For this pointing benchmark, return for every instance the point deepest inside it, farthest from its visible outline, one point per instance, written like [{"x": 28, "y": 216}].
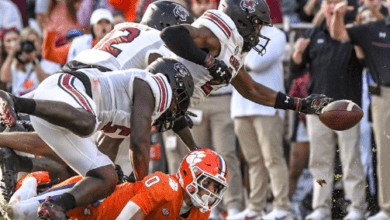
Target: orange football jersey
[{"x": 159, "y": 195}]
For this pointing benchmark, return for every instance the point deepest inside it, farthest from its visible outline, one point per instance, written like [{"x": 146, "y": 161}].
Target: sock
[
  {"x": 66, "y": 201},
  {"x": 24, "y": 105},
  {"x": 26, "y": 164}
]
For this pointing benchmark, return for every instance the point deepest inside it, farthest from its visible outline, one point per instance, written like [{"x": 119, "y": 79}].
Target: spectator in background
[
  {"x": 61, "y": 17},
  {"x": 101, "y": 23},
  {"x": 119, "y": 17},
  {"x": 10, "y": 15},
  {"x": 336, "y": 72},
  {"x": 260, "y": 132},
  {"x": 24, "y": 66},
  {"x": 41, "y": 9},
  {"x": 200, "y": 6},
  {"x": 371, "y": 10},
  {"x": 299, "y": 147},
  {"x": 276, "y": 11},
  {"x": 128, "y": 7},
  {"x": 9, "y": 38},
  {"x": 87, "y": 7},
  {"x": 374, "y": 40}
]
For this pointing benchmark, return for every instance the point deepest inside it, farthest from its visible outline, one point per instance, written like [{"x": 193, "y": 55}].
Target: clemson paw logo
[{"x": 195, "y": 157}]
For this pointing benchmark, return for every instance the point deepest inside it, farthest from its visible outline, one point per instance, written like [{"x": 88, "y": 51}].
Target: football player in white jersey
[
  {"x": 68, "y": 107},
  {"x": 129, "y": 45},
  {"x": 216, "y": 44}
]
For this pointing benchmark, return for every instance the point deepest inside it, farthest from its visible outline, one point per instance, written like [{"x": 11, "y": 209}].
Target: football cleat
[
  {"x": 7, "y": 109},
  {"x": 9, "y": 167},
  {"x": 51, "y": 211}
]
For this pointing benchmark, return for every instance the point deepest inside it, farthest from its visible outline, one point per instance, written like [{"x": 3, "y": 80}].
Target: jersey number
[
  {"x": 150, "y": 182},
  {"x": 108, "y": 44}
]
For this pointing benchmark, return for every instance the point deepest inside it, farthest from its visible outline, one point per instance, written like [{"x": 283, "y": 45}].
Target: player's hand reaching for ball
[{"x": 313, "y": 104}]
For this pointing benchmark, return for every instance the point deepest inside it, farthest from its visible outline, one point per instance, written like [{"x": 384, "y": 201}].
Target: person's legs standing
[
  {"x": 224, "y": 142},
  {"x": 381, "y": 125},
  {"x": 269, "y": 130},
  {"x": 258, "y": 175},
  {"x": 353, "y": 175},
  {"x": 321, "y": 163}
]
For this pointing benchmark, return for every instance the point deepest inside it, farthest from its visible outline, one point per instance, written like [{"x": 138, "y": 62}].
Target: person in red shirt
[{"x": 191, "y": 193}]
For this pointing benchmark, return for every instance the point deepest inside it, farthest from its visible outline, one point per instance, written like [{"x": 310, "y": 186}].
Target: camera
[{"x": 27, "y": 46}]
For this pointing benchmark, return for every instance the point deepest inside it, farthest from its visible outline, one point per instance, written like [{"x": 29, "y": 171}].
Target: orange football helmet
[{"x": 196, "y": 167}]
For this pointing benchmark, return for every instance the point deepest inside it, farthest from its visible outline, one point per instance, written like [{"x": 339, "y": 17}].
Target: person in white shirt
[
  {"x": 23, "y": 67},
  {"x": 260, "y": 132}
]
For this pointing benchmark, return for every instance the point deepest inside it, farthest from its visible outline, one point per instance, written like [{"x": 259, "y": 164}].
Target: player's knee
[{"x": 86, "y": 126}]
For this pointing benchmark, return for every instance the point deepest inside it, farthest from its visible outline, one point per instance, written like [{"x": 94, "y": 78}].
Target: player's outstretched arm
[
  {"x": 131, "y": 212},
  {"x": 141, "y": 117},
  {"x": 263, "y": 95}
]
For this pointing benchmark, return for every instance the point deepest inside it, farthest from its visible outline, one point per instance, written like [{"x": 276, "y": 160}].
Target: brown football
[{"x": 341, "y": 115}]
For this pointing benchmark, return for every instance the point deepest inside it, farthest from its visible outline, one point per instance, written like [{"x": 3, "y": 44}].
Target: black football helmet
[
  {"x": 247, "y": 14},
  {"x": 162, "y": 14},
  {"x": 182, "y": 84}
]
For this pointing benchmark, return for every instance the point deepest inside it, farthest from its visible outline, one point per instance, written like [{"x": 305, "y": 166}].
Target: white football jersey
[
  {"x": 231, "y": 53},
  {"x": 127, "y": 46},
  {"x": 113, "y": 95}
]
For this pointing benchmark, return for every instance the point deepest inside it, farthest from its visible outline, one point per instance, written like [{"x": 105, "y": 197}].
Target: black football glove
[
  {"x": 313, "y": 104},
  {"x": 218, "y": 70}
]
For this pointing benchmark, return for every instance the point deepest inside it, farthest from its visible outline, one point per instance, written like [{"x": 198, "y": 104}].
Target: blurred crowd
[{"x": 279, "y": 161}]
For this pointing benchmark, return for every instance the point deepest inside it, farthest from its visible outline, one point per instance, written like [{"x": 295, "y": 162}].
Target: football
[{"x": 341, "y": 115}]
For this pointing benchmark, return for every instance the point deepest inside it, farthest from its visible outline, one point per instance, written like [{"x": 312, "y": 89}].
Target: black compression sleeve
[
  {"x": 179, "y": 124},
  {"x": 178, "y": 40}
]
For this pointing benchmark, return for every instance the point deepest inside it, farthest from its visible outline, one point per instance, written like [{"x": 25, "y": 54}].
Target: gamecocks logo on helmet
[
  {"x": 181, "y": 12},
  {"x": 183, "y": 71},
  {"x": 249, "y": 5}
]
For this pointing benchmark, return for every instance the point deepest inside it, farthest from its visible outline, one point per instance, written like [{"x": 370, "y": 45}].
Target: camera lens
[{"x": 27, "y": 46}]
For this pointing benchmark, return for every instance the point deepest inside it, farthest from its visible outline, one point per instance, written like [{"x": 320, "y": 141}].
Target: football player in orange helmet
[{"x": 190, "y": 194}]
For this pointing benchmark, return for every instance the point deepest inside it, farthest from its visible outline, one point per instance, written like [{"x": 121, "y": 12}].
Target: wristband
[{"x": 284, "y": 101}]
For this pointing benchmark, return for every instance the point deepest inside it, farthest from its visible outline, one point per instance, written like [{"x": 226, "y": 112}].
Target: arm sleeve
[
  {"x": 53, "y": 53},
  {"x": 178, "y": 40},
  {"x": 355, "y": 34}
]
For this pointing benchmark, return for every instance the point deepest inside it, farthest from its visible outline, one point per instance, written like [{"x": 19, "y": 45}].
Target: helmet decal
[
  {"x": 181, "y": 12},
  {"x": 249, "y": 5},
  {"x": 195, "y": 157},
  {"x": 181, "y": 69}
]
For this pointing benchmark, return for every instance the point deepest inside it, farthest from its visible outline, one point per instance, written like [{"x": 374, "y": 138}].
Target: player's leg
[
  {"x": 83, "y": 156},
  {"x": 25, "y": 202},
  {"x": 28, "y": 142},
  {"x": 75, "y": 115}
]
